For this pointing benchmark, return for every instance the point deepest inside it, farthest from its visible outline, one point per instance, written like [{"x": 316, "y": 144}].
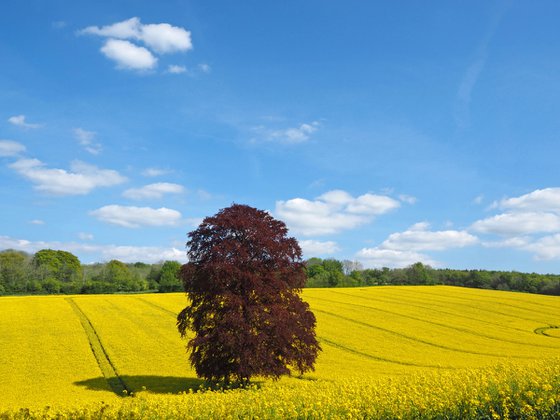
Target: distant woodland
[{"x": 60, "y": 272}]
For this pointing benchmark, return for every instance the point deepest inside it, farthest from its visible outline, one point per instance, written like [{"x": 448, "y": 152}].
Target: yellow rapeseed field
[{"x": 388, "y": 352}]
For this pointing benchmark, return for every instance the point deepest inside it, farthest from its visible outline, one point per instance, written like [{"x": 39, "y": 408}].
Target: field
[{"x": 387, "y": 351}]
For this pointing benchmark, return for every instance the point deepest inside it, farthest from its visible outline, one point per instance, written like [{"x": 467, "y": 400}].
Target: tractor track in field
[
  {"x": 417, "y": 340},
  {"x": 441, "y": 303},
  {"x": 155, "y": 305},
  {"x": 463, "y": 293},
  {"x": 378, "y": 358},
  {"x": 463, "y": 330},
  {"x": 430, "y": 308},
  {"x": 498, "y": 303},
  {"x": 118, "y": 386},
  {"x": 542, "y": 330},
  {"x": 492, "y": 312}
]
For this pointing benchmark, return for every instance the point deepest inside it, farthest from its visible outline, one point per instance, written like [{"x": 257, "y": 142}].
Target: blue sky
[{"x": 383, "y": 132}]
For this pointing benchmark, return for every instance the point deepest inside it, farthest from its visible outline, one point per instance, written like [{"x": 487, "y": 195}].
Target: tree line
[
  {"x": 334, "y": 273},
  {"x": 60, "y": 272}
]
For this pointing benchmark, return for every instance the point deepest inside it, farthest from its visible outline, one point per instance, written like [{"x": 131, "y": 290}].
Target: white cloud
[
  {"x": 376, "y": 258},
  {"x": 85, "y": 138},
  {"x": 125, "y": 253},
  {"x": 291, "y": 135},
  {"x": 147, "y": 254},
  {"x": 156, "y": 190},
  {"x": 525, "y": 220},
  {"x": 165, "y": 38},
  {"x": 85, "y": 236},
  {"x": 133, "y": 217},
  {"x": 332, "y": 212},
  {"x": 19, "y": 120},
  {"x": 478, "y": 199},
  {"x": 513, "y": 242},
  {"x": 312, "y": 248},
  {"x": 11, "y": 148},
  {"x": 545, "y": 248},
  {"x": 161, "y": 38},
  {"x": 129, "y": 56},
  {"x": 81, "y": 179},
  {"x": 37, "y": 222},
  {"x": 401, "y": 249},
  {"x": 127, "y": 29},
  {"x": 175, "y": 69},
  {"x": 408, "y": 199},
  {"x": 153, "y": 172},
  {"x": 518, "y": 223},
  {"x": 547, "y": 199},
  {"x": 419, "y": 238}
]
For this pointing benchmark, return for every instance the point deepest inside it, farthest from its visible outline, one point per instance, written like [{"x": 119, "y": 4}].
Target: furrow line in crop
[
  {"x": 105, "y": 364},
  {"x": 431, "y": 309},
  {"x": 479, "y": 309},
  {"x": 464, "y": 330},
  {"x": 542, "y": 330},
  {"x": 496, "y": 302},
  {"x": 155, "y": 305},
  {"x": 419, "y": 340},
  {"x": 471, "y": 292},
  {"x": 370, "y": 356}
]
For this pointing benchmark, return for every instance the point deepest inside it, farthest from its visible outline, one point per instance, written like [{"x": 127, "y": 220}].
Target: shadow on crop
[{"x": 149, "y": 383}]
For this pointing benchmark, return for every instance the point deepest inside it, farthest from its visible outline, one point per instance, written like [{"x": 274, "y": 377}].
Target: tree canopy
[{"x": 242, "y": 279}]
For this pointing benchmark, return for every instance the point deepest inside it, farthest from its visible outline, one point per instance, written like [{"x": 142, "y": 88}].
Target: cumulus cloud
[
  {"x": 547, "y": 199},
  {"x": 159, "y": 38},
  {"x": 153, "y": 172},
  {"x": 403, "y": 248},
  {"x": 99, "y": 252},
  {"x": 176, "y": 69},
  {"x": 156, "y": 190},
  {"x": 332, "y": 212},
  {"x": 408, "y": 199},
  {"x": 19, "y": 120},
  {"x": 518, "y": 223},
  {"x": 419, "y": 238},
  {"x": 129, "y": 56},
  {"x": 11, "y": 148},
  {"x": 313, "y": 248},
  {"x": 81, "y": 179},
  {"x": 291, "y": 135},
  {"x": 545, "y": 248},
  {"x": 532, "y": 213},
  {"x": 133, "y": 217},
  {"x": 529, "y": 222},
  {"x": 86, "y": 139},
  {"x": 377, "y": 258}
]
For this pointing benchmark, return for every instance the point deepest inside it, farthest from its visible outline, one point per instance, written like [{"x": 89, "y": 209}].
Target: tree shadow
[{"x": 149, "y": 383}]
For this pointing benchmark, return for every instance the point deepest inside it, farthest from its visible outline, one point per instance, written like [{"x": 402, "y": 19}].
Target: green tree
[
  {"x": 14, "y": 271},
  {"x": 60, "y": 265},
  {"x": 118, "y": 275},
  {"x": 169, "y": 277}
]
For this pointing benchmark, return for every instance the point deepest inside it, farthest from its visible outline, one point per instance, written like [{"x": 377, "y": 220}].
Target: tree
[
  {"x": 169, "y": 277},
  {"x": 60, "y": 265},
  {"x": 118, "y": 275},
  {"x": 14, "y": 271},
  {"x": 243, "y": 279}
]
